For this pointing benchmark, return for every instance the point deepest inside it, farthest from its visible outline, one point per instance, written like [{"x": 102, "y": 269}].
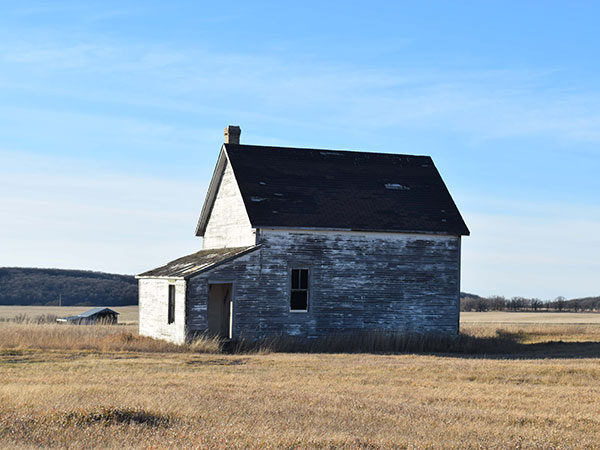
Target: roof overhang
[
  {"x": 185, "y": 267},
  {"x": 358, "y": 230},
  {"x": 211, "y": 194}
]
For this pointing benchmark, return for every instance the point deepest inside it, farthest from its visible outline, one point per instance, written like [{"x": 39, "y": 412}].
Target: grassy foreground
[{"x": 106, "y": 387}]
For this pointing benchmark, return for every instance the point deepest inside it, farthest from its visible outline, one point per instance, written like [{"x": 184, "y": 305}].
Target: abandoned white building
[{"x": 310, "y": 242}]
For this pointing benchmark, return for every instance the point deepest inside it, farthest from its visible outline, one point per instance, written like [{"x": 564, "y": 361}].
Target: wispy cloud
[
  {"x": 62, "y": 211},
  {"x": 483, "y": 104}
]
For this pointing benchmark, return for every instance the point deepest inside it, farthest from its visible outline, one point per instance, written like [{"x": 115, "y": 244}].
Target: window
[
  {"x": 171, "y": 317},
  {"x": 299, "y": 291}
]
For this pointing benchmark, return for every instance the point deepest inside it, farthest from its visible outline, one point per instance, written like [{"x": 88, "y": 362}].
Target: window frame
[
  {"x": 291, "y": 289},
  {"x": 172, "y": 293}
]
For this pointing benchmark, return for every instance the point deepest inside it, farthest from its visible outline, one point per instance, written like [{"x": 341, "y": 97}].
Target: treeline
[
  {"x": 472, "y": 302},
  {"x": 25, "y": 286}
]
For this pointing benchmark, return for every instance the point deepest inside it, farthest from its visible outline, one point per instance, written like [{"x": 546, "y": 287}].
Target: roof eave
[
  {"x": 211, "y": 193},
  {"x": 142, "y": 277},
  {"x": 366, "y": 230},
  {"x": 203, "y": 269}
]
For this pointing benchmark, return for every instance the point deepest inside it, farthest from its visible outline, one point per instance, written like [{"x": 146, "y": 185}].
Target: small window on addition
[
  {"x": 171, "y": 314},
  {"x": 299, "y": 291}
]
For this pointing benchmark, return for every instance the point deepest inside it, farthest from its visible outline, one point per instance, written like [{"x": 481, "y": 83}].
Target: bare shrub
[
  {"x": 24, "y": 318},
  {"x": 21, "y": 318},
  {"x": 44, "y": 318}
]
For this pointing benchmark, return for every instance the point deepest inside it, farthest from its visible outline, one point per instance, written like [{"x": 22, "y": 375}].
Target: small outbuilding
[{"x": 94, "y": 316}]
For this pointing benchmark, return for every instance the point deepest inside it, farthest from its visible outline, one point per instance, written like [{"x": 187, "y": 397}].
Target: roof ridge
[{"x": 354, "y": 152}]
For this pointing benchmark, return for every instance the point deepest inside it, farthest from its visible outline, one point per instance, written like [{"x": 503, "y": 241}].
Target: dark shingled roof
[
  {"x": 189, "y": 265},
  {"x": 94, "y": 311},
  {"x": 308, "y": 188}
]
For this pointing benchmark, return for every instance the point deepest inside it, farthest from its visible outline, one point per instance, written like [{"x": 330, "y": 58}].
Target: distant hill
[{"x": 27, "y": 286}]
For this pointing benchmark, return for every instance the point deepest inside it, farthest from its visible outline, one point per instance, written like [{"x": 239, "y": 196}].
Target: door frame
[{"x": 231, "y": 301}]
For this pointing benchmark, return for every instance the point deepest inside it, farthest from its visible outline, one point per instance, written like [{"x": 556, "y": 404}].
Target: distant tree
[
  {"x": 497, "y": 303},
  {"x": 468, "y": 304},
  {"x": 560, "y": 303},
  {"x": 481, "y": 304},
  {"x": 517, "y": 303},
  {"x": 536, "y": 304}
]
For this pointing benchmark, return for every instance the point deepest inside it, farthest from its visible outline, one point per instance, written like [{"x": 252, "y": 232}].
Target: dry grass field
[
  {"x": 127, "y": 314},
  {"x": 82, "y": 387},
  {"x": 537, "y": 318}
]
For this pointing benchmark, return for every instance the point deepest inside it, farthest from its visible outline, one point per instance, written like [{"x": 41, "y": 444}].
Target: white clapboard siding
[
  {"x": 358, "y": 281},
  {"x": 228, "y": 224}
]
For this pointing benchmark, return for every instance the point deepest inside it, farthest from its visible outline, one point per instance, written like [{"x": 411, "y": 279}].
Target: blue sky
[{"x": 112, "y": 113}]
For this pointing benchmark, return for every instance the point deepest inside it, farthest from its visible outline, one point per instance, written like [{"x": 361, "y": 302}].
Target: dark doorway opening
[{"x": 220, "y": 308}]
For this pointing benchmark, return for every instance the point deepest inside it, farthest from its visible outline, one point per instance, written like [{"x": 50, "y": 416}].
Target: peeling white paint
[
  {"x": 153, "y": 310},
  {"x": 228, "y": 223}
]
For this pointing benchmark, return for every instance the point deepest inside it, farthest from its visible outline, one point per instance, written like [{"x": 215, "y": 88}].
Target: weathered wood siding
[
  {"x": 228, "y": 224},
  {"x": 153, "y": 309},
  {"x": 358, "y": 281}
]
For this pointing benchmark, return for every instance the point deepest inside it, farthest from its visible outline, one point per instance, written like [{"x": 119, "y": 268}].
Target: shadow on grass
[
  {"x": 555, "y": 349},
  {"x": 108, "y": 416},
  {"x": 503, "y": 346}
]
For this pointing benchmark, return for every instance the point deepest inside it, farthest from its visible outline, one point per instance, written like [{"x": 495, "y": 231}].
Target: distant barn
[{"x": 93, "y": 316}]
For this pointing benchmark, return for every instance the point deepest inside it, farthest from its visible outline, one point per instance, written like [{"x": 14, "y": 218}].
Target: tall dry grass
[
  {"x": 474, "y": 339},
  {"x": 33, "y": 335},
  {"x": 93, "y": 337},
  {"x": 379, "y": 342},
  {"x": 25, "y": 318}
]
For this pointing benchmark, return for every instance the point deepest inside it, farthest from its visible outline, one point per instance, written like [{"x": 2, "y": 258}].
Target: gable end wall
[{"x": 228, "y": 224}]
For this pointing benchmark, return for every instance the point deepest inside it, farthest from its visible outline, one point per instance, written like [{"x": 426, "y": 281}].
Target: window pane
[
  {"x": 299, "y": 300},
  {"x": 303, "y": 279},
  {"x": 295, "y": 278},
  {"x": 171, "y": 306}
]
